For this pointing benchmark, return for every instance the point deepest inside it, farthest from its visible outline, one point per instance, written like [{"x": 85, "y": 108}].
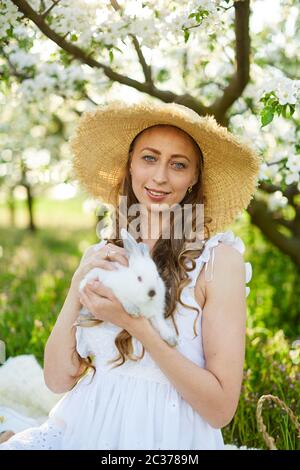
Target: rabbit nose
[{"x": 151, "y": 293}]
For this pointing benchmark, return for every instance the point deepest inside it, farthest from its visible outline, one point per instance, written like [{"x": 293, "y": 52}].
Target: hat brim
[{"x": 101, "y": 143}]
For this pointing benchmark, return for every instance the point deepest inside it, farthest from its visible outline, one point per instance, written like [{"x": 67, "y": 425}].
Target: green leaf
[
  {"x": 10, "y": 32},
  {"x": 267, "y": 116},
  {"x": 74, "y": 37},
  {"x": 111, "y": 56},
  {"x": 163, "y": 75},
  {"x": 186, "y": 35},
  {"x": 291, "y": 108},
  {"x": 118, "y": 49}
]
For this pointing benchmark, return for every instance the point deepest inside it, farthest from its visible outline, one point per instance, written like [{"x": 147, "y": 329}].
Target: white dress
[{"x": 133, "y": 406}]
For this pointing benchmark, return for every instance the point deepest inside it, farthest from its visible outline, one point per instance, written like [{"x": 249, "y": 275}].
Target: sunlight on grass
[{"x": 50, "y": 213}]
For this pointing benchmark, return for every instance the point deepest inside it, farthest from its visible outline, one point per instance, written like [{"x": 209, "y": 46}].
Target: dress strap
[{"x": 207, "y": 257}]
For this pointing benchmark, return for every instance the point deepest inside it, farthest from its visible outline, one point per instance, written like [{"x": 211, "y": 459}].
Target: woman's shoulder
[
  {"x": 226, "y": 254},
  {"x": 227, "y": 238},
  {"x": 227, "y": 262},
  {"x": 229, "y": 250}
]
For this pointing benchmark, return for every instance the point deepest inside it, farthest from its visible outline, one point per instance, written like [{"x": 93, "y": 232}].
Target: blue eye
[
  {"x": 178, "y": 163},
  {"x": 147, "y": 156},
  {"x": 175, "y": 163}
]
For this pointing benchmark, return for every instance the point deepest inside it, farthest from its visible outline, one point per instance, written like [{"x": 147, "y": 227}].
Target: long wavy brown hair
[{"x": 170, "y": 255}]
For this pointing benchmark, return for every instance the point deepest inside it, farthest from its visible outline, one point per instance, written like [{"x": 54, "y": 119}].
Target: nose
[
  {"x": 151, "y": 293},
  {"x": 160, "y": 174}
]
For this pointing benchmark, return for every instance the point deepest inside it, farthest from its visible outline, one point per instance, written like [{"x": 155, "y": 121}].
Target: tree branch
[
  {"x": 146, "y": 68},
  {"x": 290, "y": 224},
  {"x": 268, "y": 187},
  {"x": 13, "y": 69},
  {"x": 263, "y": 218},
  {"x": 73, "y": 50},
  {"x": 240, "y": 79},
  {"x": 46, "y": 13},
  {"x": 77, "y": 53},
  {"x": 289, "y": 192},
  {"x": 293, "y": 76}
]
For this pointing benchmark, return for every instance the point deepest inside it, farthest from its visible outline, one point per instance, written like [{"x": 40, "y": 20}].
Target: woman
[{"x": 157, "y": 396}]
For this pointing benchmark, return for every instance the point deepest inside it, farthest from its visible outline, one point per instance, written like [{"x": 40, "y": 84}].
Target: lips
[
  {"x": 156, "y": 191},
  {"x": 156, "y": 197}
]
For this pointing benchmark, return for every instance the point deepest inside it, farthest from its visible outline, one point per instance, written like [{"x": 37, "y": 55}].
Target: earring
[{"x": 190, "y": 189}]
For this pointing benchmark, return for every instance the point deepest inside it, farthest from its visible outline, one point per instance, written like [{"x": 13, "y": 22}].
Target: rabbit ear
[
  {"x": 129, "y": 242},
  {"x": 144, "y": 249}
]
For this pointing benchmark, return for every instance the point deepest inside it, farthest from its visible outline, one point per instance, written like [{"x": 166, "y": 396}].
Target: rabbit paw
[
  {"x": 165, "y": 331},
  {"x": 171, "y": 340},
  {"x": 82, "y": 284},
  {"x": 135, "y": 314},
  {"x": 132, "y": 309}
]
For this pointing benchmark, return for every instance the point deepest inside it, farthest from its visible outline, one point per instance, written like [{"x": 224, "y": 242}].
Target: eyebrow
[{"x": 159, "y": 153}]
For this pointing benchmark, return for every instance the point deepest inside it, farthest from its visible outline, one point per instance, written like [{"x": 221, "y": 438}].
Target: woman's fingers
[
  {"x": 101, "y": 263},
  {"x": 84, "y": 300},
  {"x": 98, "y": 259},
  {"x": 118, "y": 256},
  {"x": 116, "y": 253},
  {"x": 100, "y": 289}
]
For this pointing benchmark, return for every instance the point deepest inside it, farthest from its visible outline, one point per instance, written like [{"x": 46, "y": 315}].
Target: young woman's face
[{"x": 163, "y": 159}]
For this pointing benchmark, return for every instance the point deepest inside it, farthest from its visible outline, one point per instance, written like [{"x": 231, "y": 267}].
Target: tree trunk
[
  {"x": 30, "y": 202},
  {"x": 11, "y": 207},
  {"x": 264, "y": 219}
]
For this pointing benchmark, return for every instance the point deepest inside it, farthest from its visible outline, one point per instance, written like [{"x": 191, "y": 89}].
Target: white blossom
[
  {"x": 51, "y": 78},
  {"x": 276, "y": 201},
  {"x": 9, "y": 15},
  {"x": 293, "y": 163},
  {"x": 268, "y": 171},
  {"x": 292, "y": 178},
  {"x": 286, "y": 90},
  {"x": 22, "y": 60},
  {"x": 158, "y": 26},
  {"x": 249, "y": 128}
]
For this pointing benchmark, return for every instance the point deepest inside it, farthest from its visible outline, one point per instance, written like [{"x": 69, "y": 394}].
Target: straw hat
[{"x": 101, "y": 142}]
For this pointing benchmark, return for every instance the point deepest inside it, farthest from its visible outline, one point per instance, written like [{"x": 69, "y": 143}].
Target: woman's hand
[
  {"x": 104, "y": 305},
  {"x": 96, "y": 258}
]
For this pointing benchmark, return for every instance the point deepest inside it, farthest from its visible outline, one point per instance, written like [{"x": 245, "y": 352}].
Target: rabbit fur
[{"x": 138, "y": 287}]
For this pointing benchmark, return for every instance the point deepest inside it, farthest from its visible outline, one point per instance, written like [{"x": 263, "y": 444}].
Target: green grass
[
  {"x": 50, "y": 213},
  {"x": 274, "y": 299},
  {"x": 35, "y": 274}
]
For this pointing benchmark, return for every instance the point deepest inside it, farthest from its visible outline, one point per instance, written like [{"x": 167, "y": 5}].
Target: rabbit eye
[{"x": 140, "y": 278}]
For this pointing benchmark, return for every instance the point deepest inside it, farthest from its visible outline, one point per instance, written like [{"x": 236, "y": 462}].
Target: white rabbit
[{"x": 138, "y": 287}]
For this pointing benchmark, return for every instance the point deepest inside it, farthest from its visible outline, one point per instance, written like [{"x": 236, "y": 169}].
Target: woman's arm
[
  {"x": 214, "y": 391},
  {"x": 61, "y": 359}
]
